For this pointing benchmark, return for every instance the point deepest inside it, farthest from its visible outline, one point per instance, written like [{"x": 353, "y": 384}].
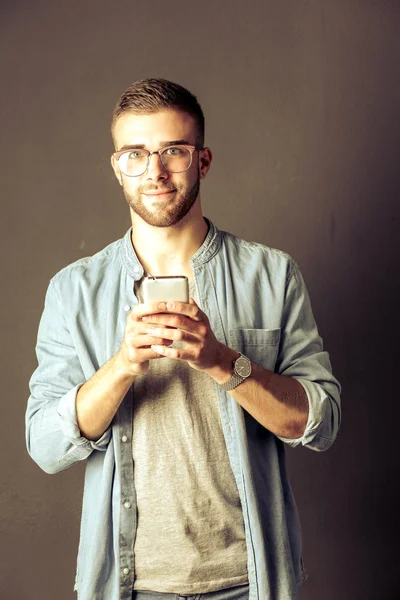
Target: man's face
[{"x": 181, "y": 190}]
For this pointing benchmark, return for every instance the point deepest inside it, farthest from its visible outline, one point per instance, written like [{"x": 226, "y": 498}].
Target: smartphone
[{"x": 164, "y": 289}]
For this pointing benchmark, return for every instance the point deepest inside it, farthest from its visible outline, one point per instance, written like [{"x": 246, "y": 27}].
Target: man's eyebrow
[
  {"x": 162, "y": 145},
  {"x": 175, "y": 143}
]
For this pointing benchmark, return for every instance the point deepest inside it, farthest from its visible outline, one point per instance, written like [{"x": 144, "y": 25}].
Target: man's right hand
[
  {"x": 135, "y": 352},
  {"x": 98, "y": 399}
]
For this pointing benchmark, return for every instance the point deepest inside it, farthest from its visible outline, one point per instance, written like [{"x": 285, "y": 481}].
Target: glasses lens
[
  {"x": 176, "y": 159},
  {"x": 133, "y": 162}
]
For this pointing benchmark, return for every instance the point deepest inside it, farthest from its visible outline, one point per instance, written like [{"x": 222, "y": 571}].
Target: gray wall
[{"x": 302, "y": 106}]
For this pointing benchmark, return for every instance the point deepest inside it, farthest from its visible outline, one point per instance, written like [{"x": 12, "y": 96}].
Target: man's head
[{"x": 157, "y": 115}]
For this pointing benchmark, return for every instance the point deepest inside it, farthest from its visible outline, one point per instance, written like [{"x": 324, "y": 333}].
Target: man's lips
[{"x": 159, "y": 193}]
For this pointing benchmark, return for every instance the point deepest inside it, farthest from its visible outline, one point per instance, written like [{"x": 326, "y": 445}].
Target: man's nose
[{"x": 156, "y": 169}]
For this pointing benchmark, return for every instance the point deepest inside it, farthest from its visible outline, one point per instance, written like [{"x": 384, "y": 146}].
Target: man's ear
[
  {"x": 204, "y": 161},
  {"x": 116, "y": 170}
]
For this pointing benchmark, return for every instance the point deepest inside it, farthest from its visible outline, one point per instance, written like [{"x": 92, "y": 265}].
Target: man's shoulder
[
  {"x": 250, "y": 247},
  {"x": 92, "y": 266},
  {"x": 248, "y": 256}
]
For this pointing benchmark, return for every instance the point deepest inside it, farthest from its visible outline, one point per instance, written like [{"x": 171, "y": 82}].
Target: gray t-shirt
[{"x": 190, "y": 535}]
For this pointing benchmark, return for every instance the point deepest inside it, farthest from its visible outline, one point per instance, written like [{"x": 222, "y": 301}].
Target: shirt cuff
[
  {"x": 319, "y": 413},
  {"x": 69, "y": 423}
]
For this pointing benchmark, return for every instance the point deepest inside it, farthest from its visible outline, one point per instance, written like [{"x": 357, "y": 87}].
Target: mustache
[{"x": 145, "y": 190}]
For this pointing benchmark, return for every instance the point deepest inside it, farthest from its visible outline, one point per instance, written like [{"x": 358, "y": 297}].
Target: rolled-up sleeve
[
  {"x": 302, "y": 357},
  {"x": 53, "y": 438}
]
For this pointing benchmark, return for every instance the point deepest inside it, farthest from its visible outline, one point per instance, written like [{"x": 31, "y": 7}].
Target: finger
[
  {"x": 190, "y": 309},
  {"x": 139, "y": 328},
  {"x": 144, "y": 354},
  {"x": 147, "y": 308},
  {"x": 175, "y": 353},
  {"x": 176, "y": 321},
  {"x": 145, "y": 341},
  {"x": 173, "y": 334}
]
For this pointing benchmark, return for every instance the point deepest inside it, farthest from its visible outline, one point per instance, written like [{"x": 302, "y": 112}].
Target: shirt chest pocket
[{"x": 260, "y": 345}]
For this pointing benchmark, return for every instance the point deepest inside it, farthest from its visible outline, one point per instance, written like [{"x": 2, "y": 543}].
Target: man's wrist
[
  {"x": 222, "y": 371},
  {"x": 120, "y": 369}
]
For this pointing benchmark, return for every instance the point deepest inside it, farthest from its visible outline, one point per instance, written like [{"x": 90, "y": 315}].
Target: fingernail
[
  {"x": 170, "y": 305},
  {"x": 162, "y": 305}
]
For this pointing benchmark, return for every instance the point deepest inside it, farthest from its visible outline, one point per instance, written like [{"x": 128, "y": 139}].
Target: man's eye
[
  {"x": 174, "y": 151},
  {"x": 136, "y": 154}
]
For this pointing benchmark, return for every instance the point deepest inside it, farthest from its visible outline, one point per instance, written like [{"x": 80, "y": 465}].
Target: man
[{"x": 181, "y": 410}]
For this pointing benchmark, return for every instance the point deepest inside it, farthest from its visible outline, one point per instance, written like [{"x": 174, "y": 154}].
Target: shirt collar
[{"x": 207, "y": 250}]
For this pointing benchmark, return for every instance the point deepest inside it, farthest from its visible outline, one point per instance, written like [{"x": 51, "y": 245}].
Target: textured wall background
[{"x": 301, "y": 99}]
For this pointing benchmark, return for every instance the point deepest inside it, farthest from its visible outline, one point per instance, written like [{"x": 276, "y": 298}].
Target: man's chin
[
  {"x": 169, "y": 212},
  {"x": 157, "y": 219}
]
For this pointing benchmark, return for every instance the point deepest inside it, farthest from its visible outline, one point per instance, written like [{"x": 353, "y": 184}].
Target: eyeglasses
[{"x": 135, "y": 162}]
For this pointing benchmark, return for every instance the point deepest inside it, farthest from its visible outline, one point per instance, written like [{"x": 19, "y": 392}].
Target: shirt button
[
  {"x": 124, "y": 438},
  {"x": 127, "y": 504},
  {"x": 126, "y": 571},
  {"x": 127, "y": 308},
  {"x": 136, "y": 269}
]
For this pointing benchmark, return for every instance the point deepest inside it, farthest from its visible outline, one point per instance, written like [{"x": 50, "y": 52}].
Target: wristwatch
[{"x": 241, "y": 371}]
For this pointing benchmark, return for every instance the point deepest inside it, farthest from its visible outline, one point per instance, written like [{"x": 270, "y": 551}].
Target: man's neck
[{"x": 168, "y": 250}]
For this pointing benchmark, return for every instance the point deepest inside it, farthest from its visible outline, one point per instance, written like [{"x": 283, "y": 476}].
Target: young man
[{"x": 181, "y": 410}]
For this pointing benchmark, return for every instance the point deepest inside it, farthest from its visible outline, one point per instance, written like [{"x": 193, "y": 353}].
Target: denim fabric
[
  {"x": 237, "y": 593},
  {"x": 257, "y": 303}
]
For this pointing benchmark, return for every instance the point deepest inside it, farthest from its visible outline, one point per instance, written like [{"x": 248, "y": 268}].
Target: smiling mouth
[{"x": 158, "y": 194}]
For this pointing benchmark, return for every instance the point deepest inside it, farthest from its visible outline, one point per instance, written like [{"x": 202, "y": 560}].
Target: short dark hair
[{"x": 151, "y": 95}]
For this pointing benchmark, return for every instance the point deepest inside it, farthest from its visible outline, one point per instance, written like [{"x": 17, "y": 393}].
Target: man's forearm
[
  {"x": 278, "y": 402},
  {"x": 99, "y": 398}
]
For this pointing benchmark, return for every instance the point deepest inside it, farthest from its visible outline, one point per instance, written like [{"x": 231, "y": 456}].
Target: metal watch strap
[{"x": 235, "y": 380}]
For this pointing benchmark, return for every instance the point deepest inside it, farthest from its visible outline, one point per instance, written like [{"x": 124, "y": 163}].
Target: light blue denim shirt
[{"x": 257, "y": 303}]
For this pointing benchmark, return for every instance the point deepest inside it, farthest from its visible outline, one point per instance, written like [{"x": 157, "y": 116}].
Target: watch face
[{"x": 243, "y": 366}]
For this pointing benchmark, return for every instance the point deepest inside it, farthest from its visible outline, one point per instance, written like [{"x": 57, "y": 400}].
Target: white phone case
[{"x": 164, "y": 289}]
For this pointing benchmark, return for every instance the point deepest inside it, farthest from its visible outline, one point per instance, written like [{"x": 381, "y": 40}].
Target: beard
[{"x": 171, "y": 213}]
